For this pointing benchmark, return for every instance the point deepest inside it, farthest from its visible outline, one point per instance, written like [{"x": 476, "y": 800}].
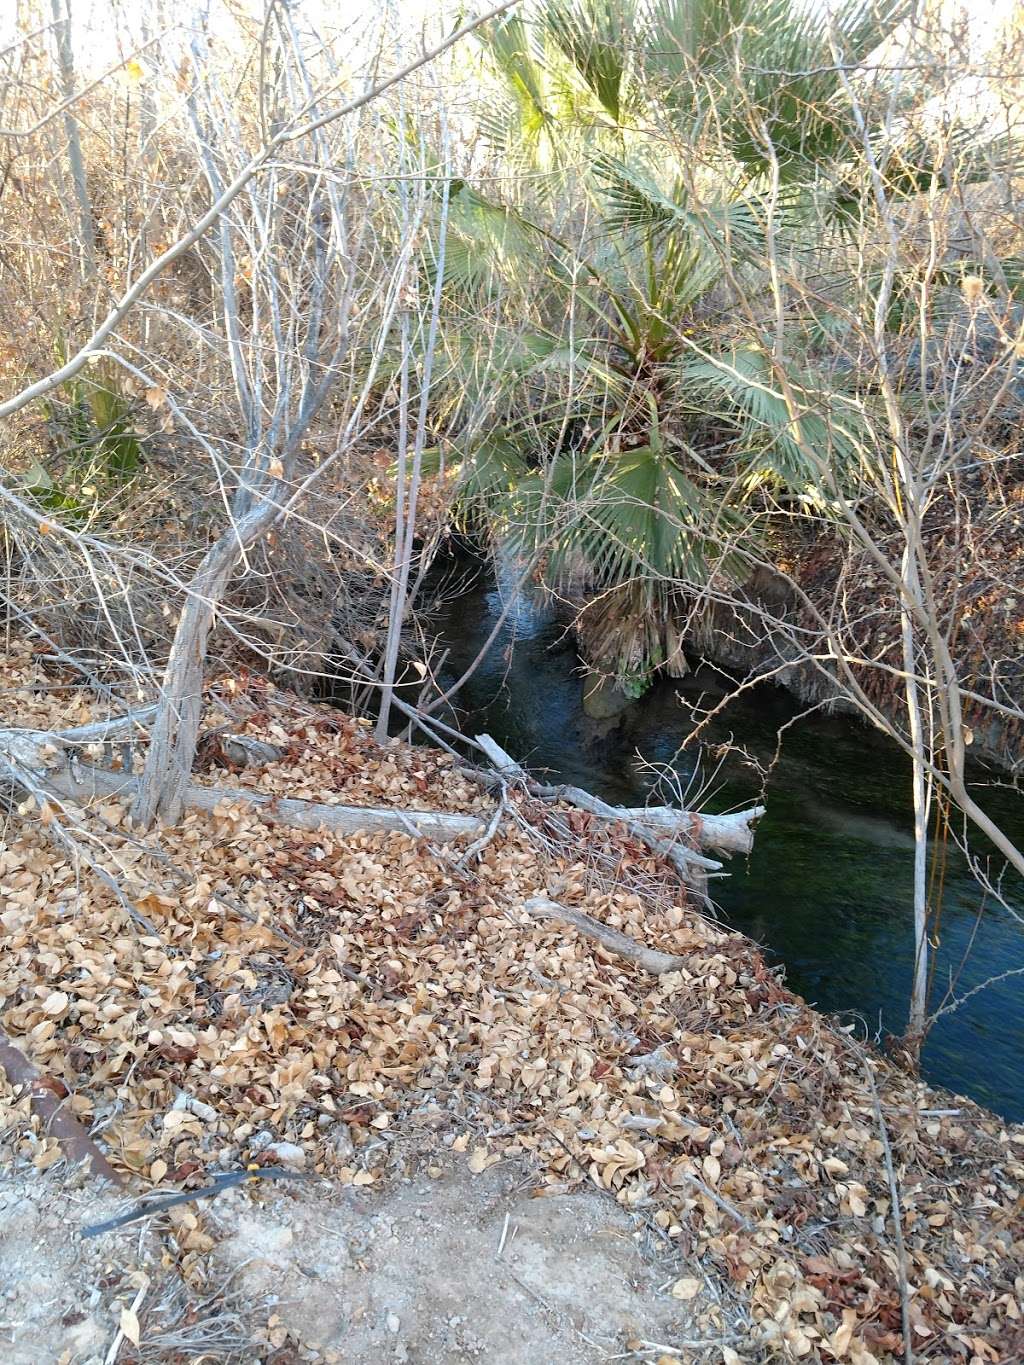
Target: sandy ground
[
  {"x": 457, "y": 1268},
  {"x": 61, "y": 1295},
  {"x": 436, "y": 1269}
]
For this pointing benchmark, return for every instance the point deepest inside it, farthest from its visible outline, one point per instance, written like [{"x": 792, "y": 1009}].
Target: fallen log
[
  {"x": 660, "y": 827},
  {"x": 102, "y": 729},
  {"x": 83, "y": 782},
  {"x": 620, "y": 944},
  {"x": 731, "y": 833},
  {"x": 693, "y": 867}
]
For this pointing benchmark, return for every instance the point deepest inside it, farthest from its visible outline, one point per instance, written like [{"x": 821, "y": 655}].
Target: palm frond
[
  {"x": 585, "y": 358},
  {"x": 474, "y": 371},
  {"x": 614, "y": 518},
  {"x": 915, "y": 163},
  {"x": 490, "y": 470},
  {"x": 636, "y": 202},
  {"x": 680, "y": 38},
  {"x": 961, "y": 156},
  {"x": 596, "y": 36},
  {"x": 808, "y": 443},
  {"x": 765, "y": 71},
  {"x": 488, "y": 243},
  {"x": 508, "y": 45}
]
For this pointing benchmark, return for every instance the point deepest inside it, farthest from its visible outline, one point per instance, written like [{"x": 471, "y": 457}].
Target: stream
[{"x": 828, "y": 888}]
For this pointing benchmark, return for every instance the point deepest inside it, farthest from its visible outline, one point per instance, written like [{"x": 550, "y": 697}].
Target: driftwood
[
  {"x": 50, "y": 764},
  {"x": 726, "y": 833},
  {"x": 83, "y": 782},
  {"x": 101, "y": 729},
  {"x": 660, "y": 827},
  {"x": 620, "y": 944}
]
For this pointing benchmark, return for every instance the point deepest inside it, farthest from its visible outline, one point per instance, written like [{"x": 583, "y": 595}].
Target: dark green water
[{"x": 828, "y": 887}]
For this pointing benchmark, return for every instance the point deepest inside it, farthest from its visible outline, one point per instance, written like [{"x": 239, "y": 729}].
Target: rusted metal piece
[{"x": 49, "y": 1104}]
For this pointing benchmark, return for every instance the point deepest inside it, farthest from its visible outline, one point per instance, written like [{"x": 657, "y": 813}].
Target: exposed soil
[
  {"x": 62, "y": 1295},
  {"x": 53, "y": 1298},
  {"x": 453, "y": 1268},
  {"x": 439, "y": 1269}
]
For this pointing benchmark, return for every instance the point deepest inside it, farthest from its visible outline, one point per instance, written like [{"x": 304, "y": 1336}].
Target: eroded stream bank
[{"x": 828, "y": 887}]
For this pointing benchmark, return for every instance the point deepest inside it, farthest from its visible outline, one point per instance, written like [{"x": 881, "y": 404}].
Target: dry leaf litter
[{"x": 317, "y": 1001}]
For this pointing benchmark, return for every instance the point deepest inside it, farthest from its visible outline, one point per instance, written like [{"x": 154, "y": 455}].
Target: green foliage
[
  {"x": 794, "y": 436},
  {"x": 634, "y": 202},
  {"x": 93, "y": 426},
  {"x": 629, "y": 515},
  {"x": 596, "y": 36},
  {"x": 792, "y": 98},
  {"x": 914, "y": 165},
  {"x": 634, "y": 684},
  {"x": 682, "y": 136},
  {"x": 96, "y": 445},
  {"x": 489, "y": 477},
  {"x": 489, "y": 245}
]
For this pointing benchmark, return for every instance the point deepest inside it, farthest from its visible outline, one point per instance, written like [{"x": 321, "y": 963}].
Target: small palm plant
[{"x": 623, "y": 429}]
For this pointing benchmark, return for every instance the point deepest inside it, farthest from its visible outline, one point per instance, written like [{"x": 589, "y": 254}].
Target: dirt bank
[{"x": 373, "y": 1011}]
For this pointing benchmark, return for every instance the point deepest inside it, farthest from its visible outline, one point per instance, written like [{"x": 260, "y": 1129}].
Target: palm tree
[{"x": 622, "y": 432}]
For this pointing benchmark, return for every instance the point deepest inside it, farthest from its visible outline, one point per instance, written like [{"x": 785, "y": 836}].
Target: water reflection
[{"x": 828, "y": 887}]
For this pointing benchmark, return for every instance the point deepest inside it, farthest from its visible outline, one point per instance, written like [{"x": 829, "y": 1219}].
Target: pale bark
[
  {"x": 253, "y": 168},
  {"x": 610, "y": 939},
  {"x": 65, "y": 58},
  {"x": 37, "y": 753},
  {"x": 173, "y": 738},
  {"x": 405, "y": 516},
  {"x": 919, "y": 989},
  {"x": 171, "y": 752},
  {"x": 83, "y": 782},
  {"x": 731, "y": 833}
]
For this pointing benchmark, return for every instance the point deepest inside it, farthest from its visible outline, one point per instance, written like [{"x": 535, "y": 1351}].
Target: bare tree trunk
[
  {"x": 908, "y": 497},
  {"x": 405, "y": 515},
  {"x": 919, "y": 990},
  {"x": 396, "y": 607},
  {"x": 65, "y": 58},
  {"x": 173, "y": 738}
]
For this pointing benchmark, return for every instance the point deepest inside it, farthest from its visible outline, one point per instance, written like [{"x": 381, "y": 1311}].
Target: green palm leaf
[
  {"x": 621, "y": 518},
  {"x": 488, "y": 475},
  {"x": 507, "y": 43},
  {"x": 596, "y": 36},
  {"x": 808, "y": 448},
  {"x": 915, "y": 164},
  {"x": 489, "y": 245},
  {"x": 780, "y": 55},
  {"x": 637, "y": 203}
]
